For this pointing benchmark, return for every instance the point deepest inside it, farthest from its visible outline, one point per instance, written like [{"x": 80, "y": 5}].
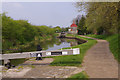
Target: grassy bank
[
  {"x": 80, "y": 76},
  {"x": 113, "y": 43},
  {"x": 74, "y": 60}
]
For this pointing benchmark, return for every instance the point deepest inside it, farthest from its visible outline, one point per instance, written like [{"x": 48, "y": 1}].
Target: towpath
[{"x": 99, "y": 61}]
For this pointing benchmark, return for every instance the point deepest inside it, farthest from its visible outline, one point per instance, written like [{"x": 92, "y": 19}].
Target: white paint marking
[
  {"x": 48, "y": 53},
  {"x": 76, "y": 51},
  {"x": 64, "y": 53}
]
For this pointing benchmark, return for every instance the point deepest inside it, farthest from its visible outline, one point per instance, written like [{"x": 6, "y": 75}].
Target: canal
[{"x": 53, "y": 44}]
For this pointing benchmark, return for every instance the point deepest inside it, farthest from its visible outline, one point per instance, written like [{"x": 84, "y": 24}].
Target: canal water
[
  {"x": 47, "y": 45},
  {"x": 54, "y": 44}
]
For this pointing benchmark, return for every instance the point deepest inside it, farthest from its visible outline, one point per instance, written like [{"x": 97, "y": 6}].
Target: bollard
[
  {"x": 39, "y": 48},
  {"x": 39, "y": 55}
]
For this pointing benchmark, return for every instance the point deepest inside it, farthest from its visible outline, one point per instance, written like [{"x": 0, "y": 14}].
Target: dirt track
[{"x": 99, "y": 61}]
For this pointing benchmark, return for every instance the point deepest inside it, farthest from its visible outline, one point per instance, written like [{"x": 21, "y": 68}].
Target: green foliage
[
  {"x": 65, "y": 29},
  {"x": 57, "y": 29},
  {"x": 80, "y": 76},
  {"x": 114, "y": 43},
  {"x": 16, "y": 62},
  {"x": 102, "y": 18},
  {"x": 81, "y": 26},
  {"x": 17, "y": 32},
  {"x": 20, "y": 67},
  {"x": 118, "y": 17},
  {"x": 97, "y": 36},
  {"x": 74, "y": 60}
]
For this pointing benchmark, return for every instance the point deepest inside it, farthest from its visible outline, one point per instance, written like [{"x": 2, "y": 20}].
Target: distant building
[{"x": 73, "y": 28}]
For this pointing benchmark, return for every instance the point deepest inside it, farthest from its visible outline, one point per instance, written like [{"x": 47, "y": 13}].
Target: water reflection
[
  {"x": 63, "y": 43},
  {"x": 53, "y": 44}
]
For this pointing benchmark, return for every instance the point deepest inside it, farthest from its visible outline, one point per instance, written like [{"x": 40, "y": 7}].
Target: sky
[{"x": 43, "y": 13}]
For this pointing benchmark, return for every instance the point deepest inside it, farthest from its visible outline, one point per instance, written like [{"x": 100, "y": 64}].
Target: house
[{"x": 73, "y": 28}]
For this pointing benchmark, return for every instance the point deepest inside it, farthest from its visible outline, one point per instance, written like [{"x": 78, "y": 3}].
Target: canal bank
[
  {"x": 74, "y": 60},
  {"x": 47, "y": 45},
  {"x": 70, "y": 60}
]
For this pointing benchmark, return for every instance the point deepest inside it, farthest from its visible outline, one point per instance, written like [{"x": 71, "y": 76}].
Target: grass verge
[
  {"x": 113, "y": 43},
  {"x": 74, "y": 60},
  {"x": 80, "y": 76}
]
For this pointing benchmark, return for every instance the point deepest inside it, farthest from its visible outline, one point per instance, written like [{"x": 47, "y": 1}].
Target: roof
[{"x": 73, "y": 25}]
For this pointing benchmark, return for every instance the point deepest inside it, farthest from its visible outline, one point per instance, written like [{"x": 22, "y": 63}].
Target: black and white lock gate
[{"x": 73, "y": 51}]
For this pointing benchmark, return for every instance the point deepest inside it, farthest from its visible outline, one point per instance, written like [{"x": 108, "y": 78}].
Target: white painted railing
[{"x": 44, "y": 54}]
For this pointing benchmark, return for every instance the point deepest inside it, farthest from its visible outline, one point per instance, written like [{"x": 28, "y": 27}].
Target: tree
[
  {"x": 57, "y": 29},
  {"x": 17, "y": 32},
  {"x": 81, "y": 26},
  {"x": 101, "y": 18}
]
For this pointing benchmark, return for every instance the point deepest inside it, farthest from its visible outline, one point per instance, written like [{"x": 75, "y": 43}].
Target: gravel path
[{"x": 99, "y": 61}]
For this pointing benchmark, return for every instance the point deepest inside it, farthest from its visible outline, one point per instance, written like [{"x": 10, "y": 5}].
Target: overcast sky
[{"x": 42, "y": 13}]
